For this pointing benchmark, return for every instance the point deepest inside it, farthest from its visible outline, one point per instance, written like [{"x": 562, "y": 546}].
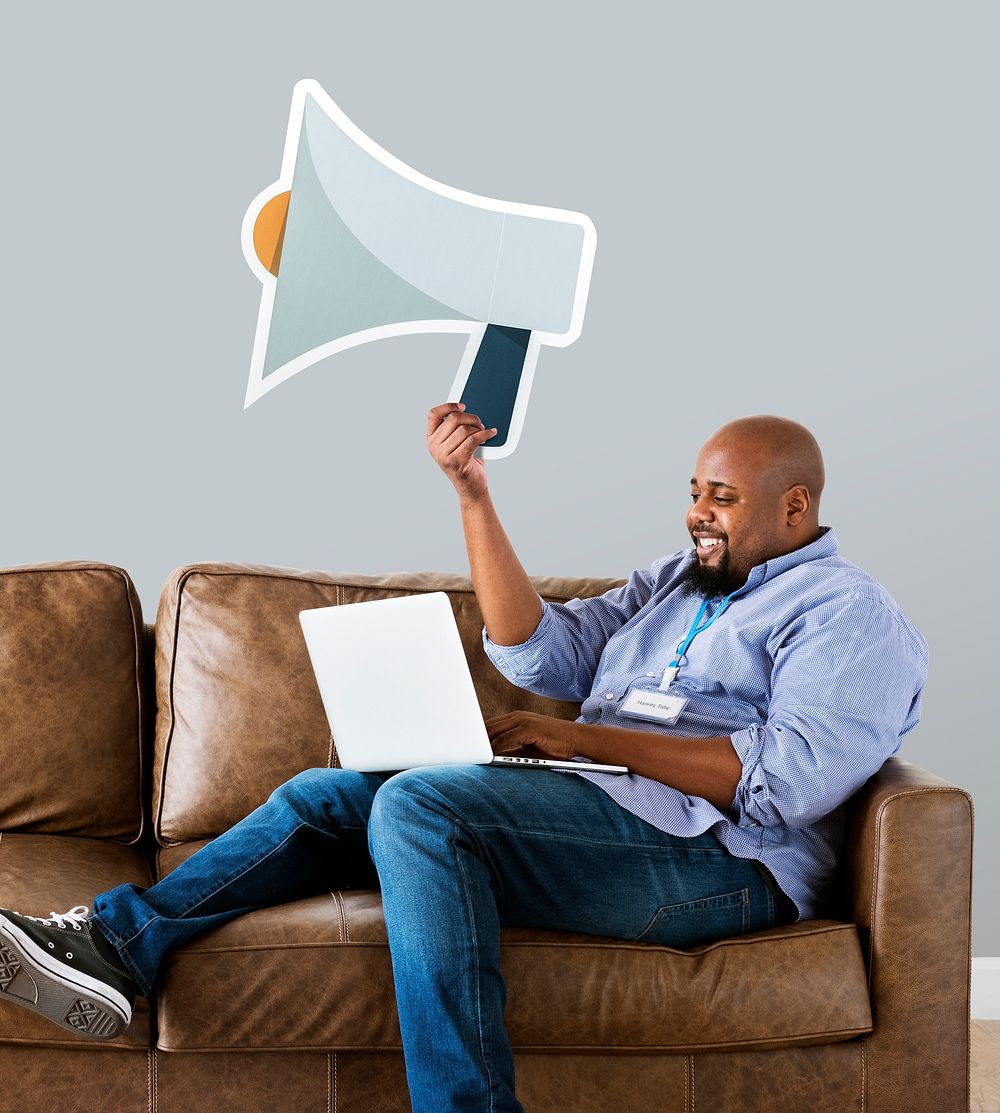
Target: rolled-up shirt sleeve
[
  {"x": 560, "y": 658},
  {"x": 845, "y": 688}
]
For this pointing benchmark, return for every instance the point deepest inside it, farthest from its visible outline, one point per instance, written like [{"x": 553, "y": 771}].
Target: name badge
[{"x": 654, "y": 705}]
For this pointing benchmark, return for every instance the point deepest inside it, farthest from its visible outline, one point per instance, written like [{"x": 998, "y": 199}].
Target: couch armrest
[{"x": 909, "y": 889}]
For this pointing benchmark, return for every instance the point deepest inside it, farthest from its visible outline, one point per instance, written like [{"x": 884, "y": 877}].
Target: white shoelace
[{"x": 74, "y": 918}]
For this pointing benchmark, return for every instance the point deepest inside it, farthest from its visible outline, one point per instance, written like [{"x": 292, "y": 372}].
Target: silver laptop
[{"x": 397, "y": 689}]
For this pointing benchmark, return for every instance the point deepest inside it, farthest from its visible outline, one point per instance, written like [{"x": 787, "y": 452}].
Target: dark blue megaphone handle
[{"x": 491, "y": 388}]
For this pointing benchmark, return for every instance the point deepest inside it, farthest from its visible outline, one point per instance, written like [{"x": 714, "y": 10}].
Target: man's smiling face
[{"x": 749, "y": 502}]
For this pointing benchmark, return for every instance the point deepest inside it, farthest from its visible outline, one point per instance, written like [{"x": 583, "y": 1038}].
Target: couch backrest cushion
[
  {"x": 72, "y": 706},
  {"x": 239, "y": 711}
]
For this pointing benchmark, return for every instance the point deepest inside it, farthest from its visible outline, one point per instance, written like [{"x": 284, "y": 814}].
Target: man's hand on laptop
[{"x": 524, "y": 732}]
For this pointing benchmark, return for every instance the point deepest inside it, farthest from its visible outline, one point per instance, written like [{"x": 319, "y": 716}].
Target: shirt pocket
[{"x": 699, "y": 921}]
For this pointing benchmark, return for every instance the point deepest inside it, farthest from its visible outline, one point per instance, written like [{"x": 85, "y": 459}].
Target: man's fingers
[
  {"x": 461, "y": 436},
  {"x": 452, "y": 422},
  {"x": 438, "y": 414},
  {"x": 504, "y": 743},
  {"x": 499, "y": 724},
  {"x": 501, "y": 730},
  {"x": 513, "y": 737}
]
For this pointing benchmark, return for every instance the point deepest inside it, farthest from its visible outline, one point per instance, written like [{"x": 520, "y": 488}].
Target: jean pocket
[{"x": 699, "y": 921}]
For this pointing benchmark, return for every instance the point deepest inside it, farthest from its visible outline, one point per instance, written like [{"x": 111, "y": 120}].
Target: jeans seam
[
  {"x": 596, "y": 842},
  {"x": 475, "y": 951},
  {"x": 219, "y": 888},
  {"x": 774, "y": 903},
  {"x": 770, "y": 907},
  {"x": 137, "y": 975}
]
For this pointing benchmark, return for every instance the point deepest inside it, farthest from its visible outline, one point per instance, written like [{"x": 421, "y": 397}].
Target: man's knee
[
  {"x": 307, "y": 784},
  {"x": 401, "y": 796},
  {"x": 322, "y": 794},
  {"x": 417, "y": 798}
]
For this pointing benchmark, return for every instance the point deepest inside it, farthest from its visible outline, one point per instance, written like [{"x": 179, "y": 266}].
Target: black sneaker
[{"x": 66, "y": 970}]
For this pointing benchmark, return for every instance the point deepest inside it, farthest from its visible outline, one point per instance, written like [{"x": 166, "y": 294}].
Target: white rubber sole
[{"x": 73, "y": 1000}]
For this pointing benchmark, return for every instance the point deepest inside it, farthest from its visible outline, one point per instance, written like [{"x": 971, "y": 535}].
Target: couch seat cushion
[
  {"x": 316, "y": 974},
  {"x": 40, "y": 874}
]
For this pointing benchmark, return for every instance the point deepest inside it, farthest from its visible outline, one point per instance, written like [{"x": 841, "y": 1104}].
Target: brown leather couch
[{"x": 127, "y": 747}]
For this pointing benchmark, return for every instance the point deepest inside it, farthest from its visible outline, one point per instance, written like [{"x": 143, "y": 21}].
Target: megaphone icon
[{"x": 352, "y": 245}]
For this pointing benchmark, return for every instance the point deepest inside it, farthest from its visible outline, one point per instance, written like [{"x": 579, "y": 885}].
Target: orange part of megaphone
[{"x": 269, "y": 231}]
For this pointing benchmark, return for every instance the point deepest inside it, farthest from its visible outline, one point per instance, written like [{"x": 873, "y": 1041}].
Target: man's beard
[{"x": 709, "y": 580}]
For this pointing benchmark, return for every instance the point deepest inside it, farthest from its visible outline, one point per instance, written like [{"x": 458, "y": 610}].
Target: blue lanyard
[{"x": 696, "y": 628}]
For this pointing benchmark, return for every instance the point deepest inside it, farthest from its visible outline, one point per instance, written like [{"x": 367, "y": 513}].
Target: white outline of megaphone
[{"x": 258, "y": 385}]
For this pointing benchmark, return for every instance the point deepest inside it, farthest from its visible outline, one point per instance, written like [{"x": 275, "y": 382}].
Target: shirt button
[
  {"x": 610, "y": 695},
  {"x": 651, "y": 674}
]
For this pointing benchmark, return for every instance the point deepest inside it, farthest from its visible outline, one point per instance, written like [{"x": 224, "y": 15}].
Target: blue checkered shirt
[{"x": 812, "y": 670}]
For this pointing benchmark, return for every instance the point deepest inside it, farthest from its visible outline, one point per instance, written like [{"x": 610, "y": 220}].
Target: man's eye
[{"x": 723, "y": 502}]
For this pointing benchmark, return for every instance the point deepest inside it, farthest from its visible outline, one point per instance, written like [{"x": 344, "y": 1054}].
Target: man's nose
[{"x": 700, "y": 511}]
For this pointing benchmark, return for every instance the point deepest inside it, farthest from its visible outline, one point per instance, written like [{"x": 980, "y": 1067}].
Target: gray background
[{"x": 796, "y": 208}]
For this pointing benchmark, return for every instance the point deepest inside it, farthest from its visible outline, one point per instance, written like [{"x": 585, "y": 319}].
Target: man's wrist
[
  {"x": 586, "y": 737},
  {"x": 574, "y": 736},
  {"x": 473, "y": 502}
]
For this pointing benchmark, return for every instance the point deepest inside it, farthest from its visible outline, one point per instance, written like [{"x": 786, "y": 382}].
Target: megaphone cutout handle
[{"x": 491, "y": 389}]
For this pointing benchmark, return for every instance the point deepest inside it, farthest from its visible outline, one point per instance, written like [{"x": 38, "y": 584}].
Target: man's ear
[{"x": 797, "y": 503}]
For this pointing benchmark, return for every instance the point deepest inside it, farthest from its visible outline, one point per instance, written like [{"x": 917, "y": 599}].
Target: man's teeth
[{"x": 708, "y": 542}]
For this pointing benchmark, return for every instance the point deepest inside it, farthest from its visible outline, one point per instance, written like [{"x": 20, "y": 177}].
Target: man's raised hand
[{"x": 452, "y": 439}]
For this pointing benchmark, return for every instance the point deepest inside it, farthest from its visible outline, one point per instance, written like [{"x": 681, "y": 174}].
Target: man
[{"x": 751, "y": 685}]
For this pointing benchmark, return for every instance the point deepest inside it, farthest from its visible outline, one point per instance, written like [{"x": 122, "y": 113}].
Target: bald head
[
  {"x": 755, "y": 496},
  {"x": 783, "y": 453}
]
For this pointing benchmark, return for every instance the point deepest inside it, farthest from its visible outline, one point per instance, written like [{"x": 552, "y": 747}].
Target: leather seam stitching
[
  {"x": 864, "y": 1076},
  {"x": 139, "y": 638},
  {"x": 341, "y": 918},
  {"x": 169, "y": 680},
  {"x": 792, "y": 1042},
  {"x": 406, "y": 578},
  {"x": 521, "y": 943},
  {"x": 184, "y": 952}
]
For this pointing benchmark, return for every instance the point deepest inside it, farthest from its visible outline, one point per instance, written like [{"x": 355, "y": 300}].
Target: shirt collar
[{"x": 824, "y": 546}]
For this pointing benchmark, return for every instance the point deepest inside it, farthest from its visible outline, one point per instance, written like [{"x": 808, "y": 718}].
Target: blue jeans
[{"x": 458, "y": 850}]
